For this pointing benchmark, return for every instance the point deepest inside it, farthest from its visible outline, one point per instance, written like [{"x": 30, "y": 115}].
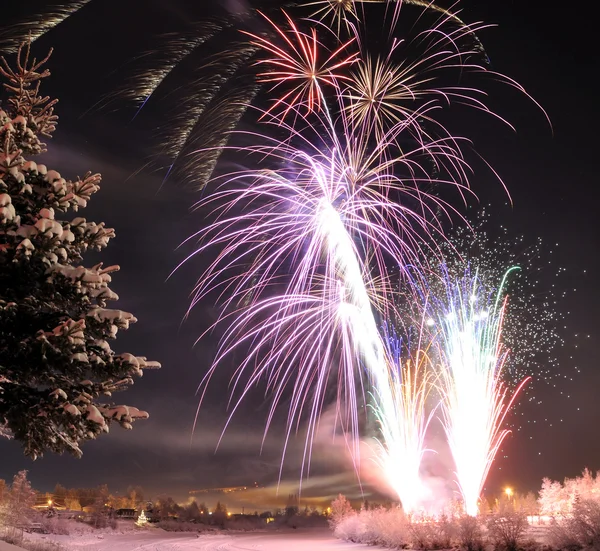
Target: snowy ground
[
  {"x": 155, "y": 539},
  {"x": 8, "y": 547}
]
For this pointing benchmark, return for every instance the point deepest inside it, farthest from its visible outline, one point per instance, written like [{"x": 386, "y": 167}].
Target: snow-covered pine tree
[{"x": 56, "y": 364}]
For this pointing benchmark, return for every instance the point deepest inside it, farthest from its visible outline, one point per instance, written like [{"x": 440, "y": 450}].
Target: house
[{"x": 126, "y": 514}]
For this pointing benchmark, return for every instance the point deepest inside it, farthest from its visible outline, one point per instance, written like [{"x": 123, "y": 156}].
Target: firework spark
[
  {"x": 475, "y": 400},
  {"x": 531, "y": 328},
  {"x": 403, "y": 417},
  {"x": 297, "y": 63},
  {"x": 336, "y": 14}
]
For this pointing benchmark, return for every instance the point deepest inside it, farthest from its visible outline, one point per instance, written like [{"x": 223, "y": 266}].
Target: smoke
[{"x": 236, "y": 7}]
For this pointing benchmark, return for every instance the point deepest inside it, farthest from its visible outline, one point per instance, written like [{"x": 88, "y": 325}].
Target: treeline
[
  {"x": 79, "y": 499},
  {"x": 18, "y": 497}
]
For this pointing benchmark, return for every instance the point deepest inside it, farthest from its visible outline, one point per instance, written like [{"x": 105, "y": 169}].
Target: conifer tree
[{"x": 57, "y": 368}]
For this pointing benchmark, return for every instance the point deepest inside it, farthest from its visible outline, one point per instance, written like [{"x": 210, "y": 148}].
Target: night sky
[{"x": 547, "y": 170}]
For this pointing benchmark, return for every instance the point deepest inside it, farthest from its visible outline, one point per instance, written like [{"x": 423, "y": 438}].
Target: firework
[
  {"x": 315, "y": 233},
  {"x": 403, "y": 88},
  {"x": 531, "y": 328},
  {"x": 297, "y": 63},
  {"x": 298, "y": 228},
  {"x": 343, "y": 14},
  {"x": 403, "y": 418},
  {"x": 36, "y": 26},
  {"x": 475, "y": 400},
  {"x": 336, "y": 14}
]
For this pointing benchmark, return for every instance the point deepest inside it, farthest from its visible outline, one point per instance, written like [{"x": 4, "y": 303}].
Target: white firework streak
[{"x": 475, "y": 401}]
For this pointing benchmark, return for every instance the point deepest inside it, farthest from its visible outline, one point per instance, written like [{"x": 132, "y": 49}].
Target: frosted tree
[
  {"x": 57, "y": 368},
  {"x": 341, "y": 509},
  {"x": 72, "y": 501},
  {"x": 219, "y": 514},
  {"x": 552, "y": 498},
  {"x": 135, "y": 497},
  {"x": 99, "y": 507},
  {"x": 18, "y": 501}
]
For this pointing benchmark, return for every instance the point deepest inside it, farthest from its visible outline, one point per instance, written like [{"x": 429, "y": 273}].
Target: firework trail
[
  {"x": 36, "y": 25},
  {"x": 344, "y": 15},
  {"x": 403, "y": 418},
  {"x": 475, "y": 400},
  {"x": 299, "y": 226},
  {"x": 297, "y": 61},
  {"x": 474, "y": 256}
]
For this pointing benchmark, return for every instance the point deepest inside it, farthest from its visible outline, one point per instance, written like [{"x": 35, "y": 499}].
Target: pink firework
[{"x": 295, "y": 64}]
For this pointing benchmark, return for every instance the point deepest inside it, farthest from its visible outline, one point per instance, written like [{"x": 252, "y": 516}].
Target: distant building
[{"x": 126, "y": 514}]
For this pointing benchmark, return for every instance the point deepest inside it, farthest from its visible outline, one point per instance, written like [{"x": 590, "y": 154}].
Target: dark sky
[{"x": 548, "y": 173}]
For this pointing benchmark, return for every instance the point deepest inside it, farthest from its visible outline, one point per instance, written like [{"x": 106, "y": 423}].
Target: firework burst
[
  {"x": 403, "y": 415},
  {"x": 532, "y": 322},
  {"x": 336, "y": 14},
  {"x": 475, "y": 400},
  {"x": 296, "y": 63}
]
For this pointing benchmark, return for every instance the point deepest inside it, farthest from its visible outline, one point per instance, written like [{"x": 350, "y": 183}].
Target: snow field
[{"x": 159, "y": 540}]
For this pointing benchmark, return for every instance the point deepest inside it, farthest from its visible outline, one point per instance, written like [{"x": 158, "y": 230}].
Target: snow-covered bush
[
  {"x": 15, "y": 509},
  {"x": 53, "y": 525},
  {"x": 372, "y": 521},
  {"x": 578, "y": 530},
  {"x": 388, "y": 527},
  {"x": 393, "y": 529},
  {"x": 469, "y": 533},
  {"x": 506, "y": 529},
  {"x": 56, "y": 365},
  {"x": 11, "y": 535},
  {"x": 350, "y": 528},
  {"x": 432, "y": 533}
]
